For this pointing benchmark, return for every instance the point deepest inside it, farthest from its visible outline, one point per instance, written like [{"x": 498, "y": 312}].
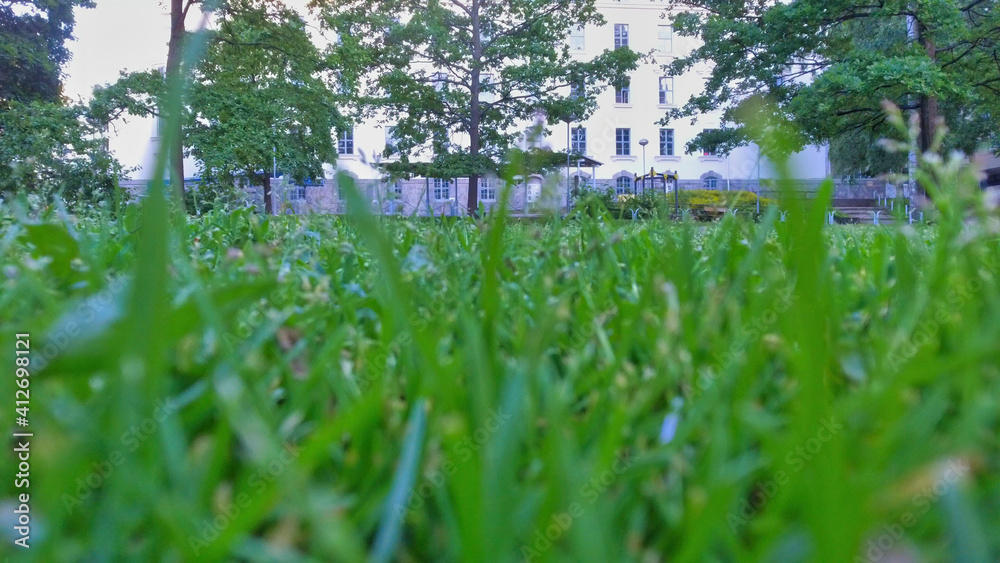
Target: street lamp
[
  {"x": 643, "y": 143},
  {"x": 569, "y": 149},
  {"x": 677, "y": 201}
]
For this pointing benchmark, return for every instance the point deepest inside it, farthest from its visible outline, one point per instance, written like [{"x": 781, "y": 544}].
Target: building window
[
  {"x": 623, "y": 142},
  {"x": 391, "y": 140},
  {"x": 578, "y": 143},
  {"x": 664, "y": 38},
  {"x": 666, "y": 142},
  {"x": 487, "y": 191},
  {"x": 710, "y": 183},
  {"x": 576, "y": 39},
  {"x": 621, "y": 35},
  {"x": 440, "y": 79},
  {"x": 442, "y": 189},
  {"x": 622, "y": 93},
  {"x": 396, "y": 189},
  {"x": 708, "y": 151},
  {"x": 667, "y": 90},
  {"x": 160, "y": 126},
  {"x": 623, "y": 185},
  {"x": 345, "y": 142},
  {"x": 297, "y": 193}
]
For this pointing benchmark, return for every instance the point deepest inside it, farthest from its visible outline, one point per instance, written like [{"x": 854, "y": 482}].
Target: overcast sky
[
  {"x": 116, "y": 35},
  {"x": 121, "y": 35}
]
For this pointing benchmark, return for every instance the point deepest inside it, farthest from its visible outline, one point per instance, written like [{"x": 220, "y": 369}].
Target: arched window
[
  {"x": 623, "y": 185},
  {"x": 710, "y": 181}
]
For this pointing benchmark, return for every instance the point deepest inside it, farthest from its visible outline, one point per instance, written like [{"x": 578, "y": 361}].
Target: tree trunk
[
  {"x": 928, "y": 104},
  {"x": 268, "y": 204},
  {"x": 475, "y": 113},
  {"x": 175, "y": 52}
]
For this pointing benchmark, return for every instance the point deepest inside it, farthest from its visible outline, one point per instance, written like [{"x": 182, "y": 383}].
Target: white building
[{"x": 611, "y": 136}]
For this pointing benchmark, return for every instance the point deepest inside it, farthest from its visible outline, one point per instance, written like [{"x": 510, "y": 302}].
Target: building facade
[{"x": 622, "y": 135}]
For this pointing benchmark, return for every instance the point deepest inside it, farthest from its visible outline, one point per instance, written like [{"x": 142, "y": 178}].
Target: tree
[
  {"x": 33, "y": 35},
  {"x": 259, "y": 100},
  {"x": 179, "y": 10},
  {"x": 144, "y": 93},
  {"x": 828, "y": 65},
  {"x": 53, "y": 150},
  {"x": 47, "y": 147},
  {"x": 441, "y": 69}
]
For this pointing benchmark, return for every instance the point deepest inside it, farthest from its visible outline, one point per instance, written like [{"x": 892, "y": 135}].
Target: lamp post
[
  {"x": 569, "y": 147},
  {"x": 677, "y": 201},
  {"x": 643, "y": 143}
]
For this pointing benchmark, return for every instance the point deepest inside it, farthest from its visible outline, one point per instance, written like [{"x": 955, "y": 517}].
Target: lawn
[{"x": 248, "y": 388}]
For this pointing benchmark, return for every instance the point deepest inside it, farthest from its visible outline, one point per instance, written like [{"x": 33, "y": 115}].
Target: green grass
[{"x": 249, "y": 388}]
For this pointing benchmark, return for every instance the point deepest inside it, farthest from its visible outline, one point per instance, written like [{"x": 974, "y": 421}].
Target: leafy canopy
[
  {"x": 51, "y": 150},
  {"x": 460, "y": 77},
  {"x": 828, "y": 64},
  {"x": 47, "y": 147},
  {"x": 259, "y": 98},
  {"x": 33, "y": 35}
]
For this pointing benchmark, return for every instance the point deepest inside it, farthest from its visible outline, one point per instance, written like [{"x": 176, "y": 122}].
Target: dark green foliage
[
  {"x": 829, "y": 65},
  {"x": 52, "y": 150},
  {"x": 47, "y": 148},
  {"x": 33, "y": 36},
  {"x": 258, "y": 98}
]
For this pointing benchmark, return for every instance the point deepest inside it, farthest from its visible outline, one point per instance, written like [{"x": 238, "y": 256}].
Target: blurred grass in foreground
[
  {"x": 342, "y": 389},
  {"x": 314, "y": 388}
]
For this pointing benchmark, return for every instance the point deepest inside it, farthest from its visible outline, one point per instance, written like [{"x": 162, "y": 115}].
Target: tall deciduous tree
[
  {"x": 829, "y": 64},
  {"x": 47, "y": 147},
  {"x": 179, "y": 10},
  {"x": 460, "y": 75},
  {"x": 144, "y": 93},
  {"x": 53, "y": 150},
  {"x": 260, "y": 100},
  {"x": 33, "y": 36}
]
